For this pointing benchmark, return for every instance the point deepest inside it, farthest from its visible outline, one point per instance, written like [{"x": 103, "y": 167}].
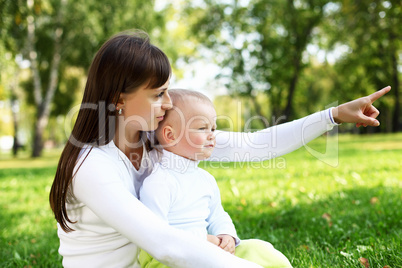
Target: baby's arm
[
  {"x": 271, "y": 142},
  {"x": 219, "y": 221},
  {"x": 156, "y": 193},
  {"x": 285, "y": 138}
]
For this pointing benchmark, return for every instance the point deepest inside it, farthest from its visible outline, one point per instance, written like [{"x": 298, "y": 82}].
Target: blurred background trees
[
  {"x": 277, "y": 60},
  {"x": 303, "y": 53}
]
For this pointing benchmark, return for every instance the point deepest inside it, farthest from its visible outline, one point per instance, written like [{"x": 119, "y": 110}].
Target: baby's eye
[
  {"x": 213, "y": 129},
  {"x": 202, "y": 128}
]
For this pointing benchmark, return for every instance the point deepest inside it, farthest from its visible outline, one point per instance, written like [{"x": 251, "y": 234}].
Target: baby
[{"x": 188, "y": 197}]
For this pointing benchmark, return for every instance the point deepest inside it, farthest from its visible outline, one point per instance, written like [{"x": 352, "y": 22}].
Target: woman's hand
[
  {"x": 360, "y": 111},
  {"x": 228, "y": 243}
]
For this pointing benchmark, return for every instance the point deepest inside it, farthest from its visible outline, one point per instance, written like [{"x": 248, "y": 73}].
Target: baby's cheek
[{"x": 198, "y": 140}]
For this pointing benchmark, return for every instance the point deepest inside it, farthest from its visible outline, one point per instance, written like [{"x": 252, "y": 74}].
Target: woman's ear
[{"x": 121, "y": 101}]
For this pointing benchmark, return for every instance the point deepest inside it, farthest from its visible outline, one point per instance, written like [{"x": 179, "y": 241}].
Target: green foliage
[
  {"x": 264, "y": 46},
  {"x": 71, "y": 31},
  {"x": 317, "y": 215},
  {"x": 235, "y": 113},
  {"x": 369, "y": 29},
  {"x": 260, "y": 45}
]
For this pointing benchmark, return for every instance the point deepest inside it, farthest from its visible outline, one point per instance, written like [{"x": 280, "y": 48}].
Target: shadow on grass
[{"x": 335, "y": 231}]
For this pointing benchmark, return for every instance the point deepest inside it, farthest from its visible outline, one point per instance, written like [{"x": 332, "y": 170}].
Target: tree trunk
[
  {"x": 14, "y": 111},
  {"x": 43, "y": 103},
  {"x": 258, "y": 110},
  {"x": 16, "y": 143},
  {"x": 396, "y": 124},
  {"x": 292, "y": 88},
  {"x": 257, "y": 106},
  {"x": 302, "y": 39},
  {"x": 37, "y": 146}
]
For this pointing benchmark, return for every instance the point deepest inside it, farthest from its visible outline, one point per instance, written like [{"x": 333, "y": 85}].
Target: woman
[{"x": 94, "y": 196}]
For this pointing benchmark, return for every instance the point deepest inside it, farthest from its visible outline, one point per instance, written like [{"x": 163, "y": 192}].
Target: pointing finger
[{"x": 378, "y": 94}]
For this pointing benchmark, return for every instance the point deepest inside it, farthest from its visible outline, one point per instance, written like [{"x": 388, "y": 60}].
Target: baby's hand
[
  {"x": 213, "y": 239},
  {"x": 228, "y": 243}
]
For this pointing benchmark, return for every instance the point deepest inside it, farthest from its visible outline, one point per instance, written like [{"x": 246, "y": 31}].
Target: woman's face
[{"x": 145, "y": 108}]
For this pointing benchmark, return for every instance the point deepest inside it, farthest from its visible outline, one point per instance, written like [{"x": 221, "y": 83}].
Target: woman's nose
[{"x": 167, "y": 102}]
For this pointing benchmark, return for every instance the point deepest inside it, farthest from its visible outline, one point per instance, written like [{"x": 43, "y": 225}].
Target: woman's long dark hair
[{"x": 123, "y": 64}]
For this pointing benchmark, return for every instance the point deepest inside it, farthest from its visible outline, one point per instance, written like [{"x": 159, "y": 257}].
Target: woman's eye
[{"x": 161, "y": 94}]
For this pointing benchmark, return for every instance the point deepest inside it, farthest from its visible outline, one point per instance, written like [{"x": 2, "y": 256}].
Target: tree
[
  {"x": 44, "y": 100},
  {"x": 370, "y": 31},
  {"x": 56, "y": 35},
  {"x": 260, "y": 46},
  {"x": 9, "y": 78}
]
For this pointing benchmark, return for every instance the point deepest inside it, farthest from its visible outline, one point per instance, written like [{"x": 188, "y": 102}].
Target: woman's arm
[
  {"x": 284, "y": 138},
  {"x": 109, "y": 199}
]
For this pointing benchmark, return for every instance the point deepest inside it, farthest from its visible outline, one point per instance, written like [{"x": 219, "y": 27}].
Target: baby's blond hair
[{"x": 178, "y": 96}]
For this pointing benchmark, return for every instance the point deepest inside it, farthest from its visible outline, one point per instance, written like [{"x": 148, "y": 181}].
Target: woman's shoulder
[
  {"x": 99, "y": 167},
  {"x": 102, "y": 158}
]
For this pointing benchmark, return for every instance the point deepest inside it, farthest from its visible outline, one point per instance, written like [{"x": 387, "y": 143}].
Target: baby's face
[{"x": 197, "y": 141}]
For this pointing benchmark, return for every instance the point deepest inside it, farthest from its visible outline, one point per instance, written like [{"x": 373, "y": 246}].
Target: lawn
[{"x": 347, "y": 214}]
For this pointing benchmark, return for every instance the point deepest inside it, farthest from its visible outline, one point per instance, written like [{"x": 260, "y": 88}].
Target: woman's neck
[{"x": 131, "y": 145}]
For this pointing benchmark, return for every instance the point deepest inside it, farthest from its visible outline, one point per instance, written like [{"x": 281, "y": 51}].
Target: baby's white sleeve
[
  {"x": 271, "y": 142},
  {"x": 219, "y": 221},
  {"x": 157, "y": 193}
]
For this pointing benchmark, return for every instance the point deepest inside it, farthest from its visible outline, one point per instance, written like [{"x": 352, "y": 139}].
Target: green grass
[
  {"x": 319, "y": 215},
  {"x": 27, "y": 228},
  {"x": 316, "y": 214}
]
